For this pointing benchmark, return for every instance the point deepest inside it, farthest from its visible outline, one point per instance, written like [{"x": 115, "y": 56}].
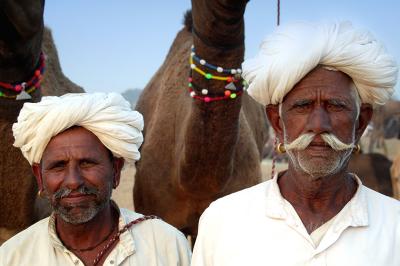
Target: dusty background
[{"x": 123, "y": 194}]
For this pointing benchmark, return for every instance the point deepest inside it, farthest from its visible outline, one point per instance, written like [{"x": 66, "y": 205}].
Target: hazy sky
[{"x": 115, "y": 45}]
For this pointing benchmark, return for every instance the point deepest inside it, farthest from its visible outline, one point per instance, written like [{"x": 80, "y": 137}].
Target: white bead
[
  {"x": 239, "y": 71},
  {"x": 192, "y": 46},
  {"x": 202, "y": 61},
  {"x": 192, "y": 94},
  {"x": 233, "y": 71},
  {"x": 192, "y": 66},
  {"x": 220, "y": 69},
  {"x": 204, "y": 91},
  {"x": 192, "y": 53}
]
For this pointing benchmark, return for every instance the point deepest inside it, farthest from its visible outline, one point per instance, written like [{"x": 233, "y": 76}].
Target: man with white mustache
[{"x": 319, "y": 83}]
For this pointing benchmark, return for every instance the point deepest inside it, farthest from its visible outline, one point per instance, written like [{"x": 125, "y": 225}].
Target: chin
[
  {"x": 319, "y": 167},
  {"x": 78, "y": 214}
]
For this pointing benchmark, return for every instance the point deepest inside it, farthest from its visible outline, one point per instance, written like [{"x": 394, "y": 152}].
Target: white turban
[
  {"x": 107, "y": 115},
  {"x": 290, "y": 53}
]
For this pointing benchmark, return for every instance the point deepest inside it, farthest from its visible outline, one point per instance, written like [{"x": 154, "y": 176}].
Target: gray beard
[
  {"x": 332, "y": 165},
  {"x": 87, "y": 212}
]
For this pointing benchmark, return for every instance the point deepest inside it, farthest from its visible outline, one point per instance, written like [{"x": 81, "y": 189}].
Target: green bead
[
  {"x": 190, "y": 84},
  {"x": 209, "y": 76},
  {"x": 1, "y": 94},
  {"x": 233, "y": 95}
]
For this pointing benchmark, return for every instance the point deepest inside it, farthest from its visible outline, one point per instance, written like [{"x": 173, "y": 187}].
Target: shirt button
[
  {"x": 76, "y": 261},
  {"x": 111, "y": 262}
]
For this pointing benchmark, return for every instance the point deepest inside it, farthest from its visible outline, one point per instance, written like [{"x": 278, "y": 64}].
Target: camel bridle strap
[{"x": 24, "y": 89}]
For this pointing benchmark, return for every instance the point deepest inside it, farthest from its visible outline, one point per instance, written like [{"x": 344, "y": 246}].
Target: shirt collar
[{"x": 355, "y": 212}]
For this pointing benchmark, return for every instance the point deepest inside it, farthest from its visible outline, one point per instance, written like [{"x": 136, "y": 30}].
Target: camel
[
  {"x": 374, "y": 171},
  {"x": 386, "y": 124},
  {"x": 395, "y": 175},
  {"x": 196, "y": 151},
  {"x": 21, "y": 36}
]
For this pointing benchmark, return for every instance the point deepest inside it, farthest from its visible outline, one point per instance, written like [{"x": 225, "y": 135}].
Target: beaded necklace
[
  {"x": 231, "y": 91},
  {"x": 94, "y": 246},
  {"x": 25, "y": 88},
  {"x": 116, "y": 236},
  {"x": 219, "y": 69}
]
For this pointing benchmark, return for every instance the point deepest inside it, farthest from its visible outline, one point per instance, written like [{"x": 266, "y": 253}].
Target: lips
[{"x": 77, "y": 198}]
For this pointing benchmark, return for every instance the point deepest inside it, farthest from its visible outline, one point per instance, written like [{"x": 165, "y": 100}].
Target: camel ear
[
  {"x": 118, "y": 164},
  {"x": 364, "y": 118},
  {"x": 37, "y": 172},
  {"x": 272, "y": 112}
]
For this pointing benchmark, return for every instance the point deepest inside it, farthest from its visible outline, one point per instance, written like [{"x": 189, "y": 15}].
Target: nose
[
  {"x": 73, "y": 178},
  {"x": 319, "y": 121}
]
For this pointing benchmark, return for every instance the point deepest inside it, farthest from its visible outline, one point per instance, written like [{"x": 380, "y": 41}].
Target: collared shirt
[
  {"x": 257, "y": 226},
  {"x": 152, "y": 242}
]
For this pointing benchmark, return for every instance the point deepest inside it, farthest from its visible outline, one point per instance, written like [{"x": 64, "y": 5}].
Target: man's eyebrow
[
  {"x": 52, "y": 163},
  {"x": 301, "y": 102},
  {"x": 337, "y": 101}
]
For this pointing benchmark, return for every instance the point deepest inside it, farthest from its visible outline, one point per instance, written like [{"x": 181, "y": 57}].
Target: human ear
[
  {"x": 272, "y": 112},
  {"x": 118, "y": 164},
  {"x": 364, "y": 118},
  {"x": 37, "y": 172}
]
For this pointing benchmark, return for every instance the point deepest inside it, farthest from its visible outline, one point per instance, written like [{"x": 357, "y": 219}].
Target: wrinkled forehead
[
  {"x": 75, "y": 139},
  {"x": 323, "y": 82}
]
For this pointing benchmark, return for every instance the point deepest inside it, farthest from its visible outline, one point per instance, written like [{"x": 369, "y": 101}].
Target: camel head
[{"x": 21, "y": 34}]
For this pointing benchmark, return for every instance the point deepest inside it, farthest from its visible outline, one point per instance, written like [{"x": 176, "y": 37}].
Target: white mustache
[{"x": 304, "y": 140}]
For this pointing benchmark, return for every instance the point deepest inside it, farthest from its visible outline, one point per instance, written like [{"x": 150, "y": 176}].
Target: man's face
[
  {"x": 323, "y": 102},
  {"x": 77, "y": 175}
]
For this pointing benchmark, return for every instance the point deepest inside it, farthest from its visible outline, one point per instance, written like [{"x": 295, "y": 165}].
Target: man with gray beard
[
  {"x": 77, "y": 145},
  {"x": 319, "y": 83}
]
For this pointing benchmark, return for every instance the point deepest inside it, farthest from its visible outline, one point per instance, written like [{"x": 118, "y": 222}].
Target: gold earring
[
  {"x": 280, "y": 148},
  {"x": 357, "y": 149}
]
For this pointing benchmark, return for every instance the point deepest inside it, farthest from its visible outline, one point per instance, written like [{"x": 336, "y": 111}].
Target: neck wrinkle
[{"x": 317, "y": 195}]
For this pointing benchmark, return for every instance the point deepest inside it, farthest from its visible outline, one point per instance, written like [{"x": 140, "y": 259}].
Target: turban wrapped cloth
[
  {"x": 290, "y": 53},
  {"x": 107, "y": 115}
]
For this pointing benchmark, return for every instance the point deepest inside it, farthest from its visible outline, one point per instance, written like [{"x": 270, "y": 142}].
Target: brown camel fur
[
  {"x": 386, "y": 124},
  {"x": 195, "y": 152},
  {"x": 395, "y": 175},
  {"x": 21, "y": 36},
  {"x": 373, "y": 170}
]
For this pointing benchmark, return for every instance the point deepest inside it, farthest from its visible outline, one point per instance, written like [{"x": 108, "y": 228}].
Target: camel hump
[{"x": 188, "y": 20}]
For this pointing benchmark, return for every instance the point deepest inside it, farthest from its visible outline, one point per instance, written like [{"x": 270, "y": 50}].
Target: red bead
[
  {"x": 229, "y": 79},
  {"x": 18, "y": 88},
  {"x": 37, "y": 73},
  {"x": 227, "y": 93},
  {"x": 207, "y": 99},
  {"x": 190, "y": 79}
]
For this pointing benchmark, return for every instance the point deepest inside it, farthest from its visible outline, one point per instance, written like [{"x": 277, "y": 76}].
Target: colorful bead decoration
[
  {"x": 29, "y": 91},
  {"x": 25, "y": 88},
  {"x": 219, "y": 69},
  {"x": 208, "y": 99},
  {"x": 203, "y": 94},
  {"x": 209, "y": 75},
  {"x": 231, "y": 91}
]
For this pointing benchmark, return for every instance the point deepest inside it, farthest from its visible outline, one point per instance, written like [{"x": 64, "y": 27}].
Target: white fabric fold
[
  {"x": 290, "y": 53},
  {"x": 107, "y": 115}
]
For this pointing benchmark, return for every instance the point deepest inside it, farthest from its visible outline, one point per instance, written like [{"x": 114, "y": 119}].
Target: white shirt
[
  {"x": 256, "y": 227},
  {"x": 151, "y": 242}
]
